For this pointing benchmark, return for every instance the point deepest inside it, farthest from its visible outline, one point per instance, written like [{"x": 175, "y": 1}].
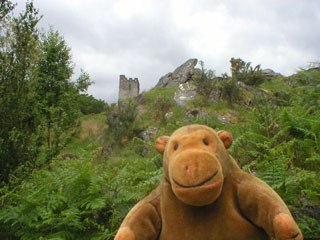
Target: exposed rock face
[
  {"x": 269, "y": 73},
  {"x": 168, "y": 115},
  {"x": 223, "y": 119},
  {"x": 185, "y": 93},
  {"x": 215, "y": 96},
  {"x": 182, "y": 74},
  {"x": 149, "y": 134}
]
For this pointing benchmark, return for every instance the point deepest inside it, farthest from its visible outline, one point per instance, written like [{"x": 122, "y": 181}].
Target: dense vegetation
[
  {"x": 66, "y": 175},
  {"x": 40, "y": 105}
]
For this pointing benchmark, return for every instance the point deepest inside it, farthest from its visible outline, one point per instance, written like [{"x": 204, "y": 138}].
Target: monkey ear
[
  {"x": 161, "y": 143},
  {"x": 225, "y": 137}
]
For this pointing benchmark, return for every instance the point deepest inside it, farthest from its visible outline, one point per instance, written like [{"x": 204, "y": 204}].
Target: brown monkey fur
[{"x": 204, "y": 195}]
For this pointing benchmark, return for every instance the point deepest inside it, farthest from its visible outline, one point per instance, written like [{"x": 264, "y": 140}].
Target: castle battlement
[{"x": 128, "y": 87}]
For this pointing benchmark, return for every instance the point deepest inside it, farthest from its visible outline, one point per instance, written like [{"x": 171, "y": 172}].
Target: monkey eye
[
  {"x": 205, "y": 141},
  {"x": 175, "y": 147}
]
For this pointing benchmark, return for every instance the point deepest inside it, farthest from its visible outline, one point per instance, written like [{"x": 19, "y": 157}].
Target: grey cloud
[{"x": 105, "y": 42}]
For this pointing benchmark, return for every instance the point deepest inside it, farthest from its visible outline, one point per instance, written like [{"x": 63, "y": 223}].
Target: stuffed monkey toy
[{"x": 204, "y": 195}]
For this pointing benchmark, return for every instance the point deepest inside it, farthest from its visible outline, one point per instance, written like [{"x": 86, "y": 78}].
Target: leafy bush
[
  {"x": 121, "y": 121},
  {"x": 154, "y": 104},
  {"x": 282, "y": 98},
  {"x": 55, "y": 93},
  {"x": 75, "y": 199},
  {"x": 243, "y": 72},
  {"x": 230, "y": 89},
  {"x": 90, "y": 105},
  {"x": 20, "y": 139},
  {"x": 162, "y": 105},
  {"x": 67, "y": 200},
  {"x": 37, "y": 97},
  {"x": 307, "y": 92},
  {"x": 205, "y": 81},
  {"x": 282, "y": 147}
]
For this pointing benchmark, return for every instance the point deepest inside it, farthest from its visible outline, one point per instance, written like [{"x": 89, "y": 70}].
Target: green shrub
[
  {"x": 76, "y": 199},
  {"x": 121, "y": 121},
  {"x": 66, "y": 200},
  {"x": 90, "y": 105},
  {"x": 282, "y": 147},
  {"x": 230, "y": 89},
  {"x": 20, "y": 137},
  {"x": 205, "y": 81},
  {"x": 307, "y": 92},
  {"x": 243, "y": 72},
  {"x": 162, "y": 105}
]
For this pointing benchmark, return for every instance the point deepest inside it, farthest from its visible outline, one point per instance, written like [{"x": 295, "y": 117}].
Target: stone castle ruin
[{"x": 128, "y": 87}]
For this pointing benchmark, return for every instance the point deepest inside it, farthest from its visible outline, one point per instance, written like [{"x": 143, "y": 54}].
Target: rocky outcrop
[
  {"x": 223, "y": 119},
  {"x": 181, "y": 74},
  {"x": 269, "y": 73},
  {"x": 185, "y": 93},
  {"x": 215, "y": 96},
  {"x": 168, "y": 115},
  {"x": 149, "y": 134}
]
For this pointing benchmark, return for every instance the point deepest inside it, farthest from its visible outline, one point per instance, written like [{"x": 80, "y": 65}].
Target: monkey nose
[{"x": 191, "y": 169}]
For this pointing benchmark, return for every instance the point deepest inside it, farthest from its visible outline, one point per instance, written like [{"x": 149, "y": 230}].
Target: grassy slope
[{"x": 115, "y": 184}]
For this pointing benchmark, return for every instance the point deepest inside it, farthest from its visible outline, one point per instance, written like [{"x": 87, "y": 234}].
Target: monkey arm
[
  {"x": 143, "y": 221},
  {"x": 264, "y": 207}
]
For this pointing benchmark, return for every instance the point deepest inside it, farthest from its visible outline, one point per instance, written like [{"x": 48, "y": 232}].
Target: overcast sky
[{"x": 147, "y": 39}]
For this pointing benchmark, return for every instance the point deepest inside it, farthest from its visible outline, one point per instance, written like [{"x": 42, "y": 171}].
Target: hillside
[{"x": 85, "y": 192}]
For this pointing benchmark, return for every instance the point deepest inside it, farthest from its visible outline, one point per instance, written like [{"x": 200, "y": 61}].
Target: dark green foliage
[
  {"x": 303, "y": 129},
  {"x": 282, "y": 98},
  {"x": 54, "y": 90},
  {"x": 282, "y": 146},
  {"x": 308, "y": 88},
  {"x": 154, "y": 104},
  {"x": 243, "y": 72},
  {"x": 162, "y": 106},
  {"x": 75, "y": 199},
  {"x": 230, "y": 89},
  {"x": 121, "y": 121},
  {"x": 19, "y": 139},
  {"x": 90, "y": 105},
  {"x": 38, "y": 100},
  {"x": 87, "y": 197},
  {"x": 83, "y": 82},
  {"x": 56, "y": 95},
  {"x": 66, "y": 200},
  {"x": 205, "y": 81},
  {"x": 5, "y": 8},
  {"x": 225, "y": 86}
]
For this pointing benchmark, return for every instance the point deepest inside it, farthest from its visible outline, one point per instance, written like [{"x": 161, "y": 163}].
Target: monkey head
[{"x": 195, "y": 162}]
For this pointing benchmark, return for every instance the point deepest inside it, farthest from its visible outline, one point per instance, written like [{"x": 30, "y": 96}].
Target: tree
[
  {"x": 90, "y": 105},
  {"x": 56, "y": 94},
  {"x": 19, "y": 139}
]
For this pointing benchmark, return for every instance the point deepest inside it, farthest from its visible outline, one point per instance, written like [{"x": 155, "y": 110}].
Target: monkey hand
[
  {"x": 125, "y": 233},
  {"x": 285, "y": 228}
]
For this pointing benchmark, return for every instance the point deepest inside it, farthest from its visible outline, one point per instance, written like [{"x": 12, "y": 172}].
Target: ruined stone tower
[{"x": 128, "y": 87}]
